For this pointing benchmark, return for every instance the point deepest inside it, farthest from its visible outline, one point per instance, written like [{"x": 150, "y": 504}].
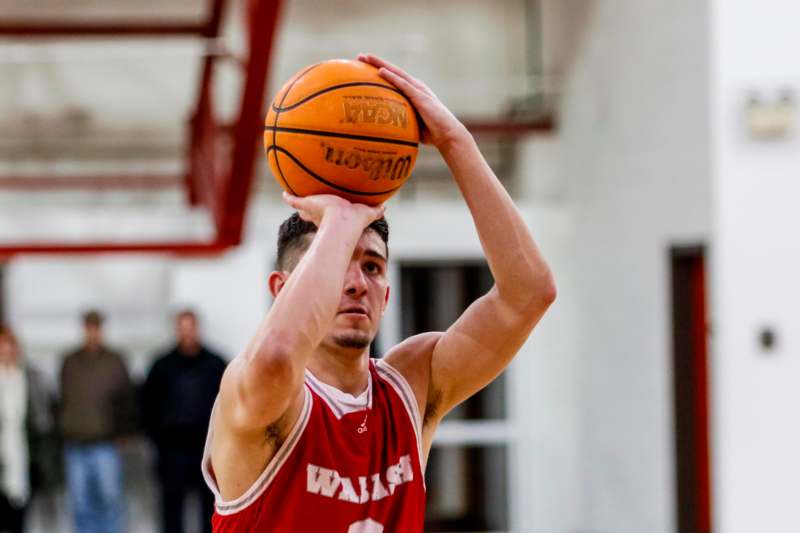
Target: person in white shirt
[{"x": 25, "y": 424}]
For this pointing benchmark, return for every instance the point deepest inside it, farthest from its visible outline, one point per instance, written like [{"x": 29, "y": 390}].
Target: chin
[{"x": 353, "y": 339}]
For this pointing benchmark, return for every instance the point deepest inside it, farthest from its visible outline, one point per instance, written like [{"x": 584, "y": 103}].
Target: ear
[
  {"x": 385, "y": 300},
  {"x": 276, "y": 282}
]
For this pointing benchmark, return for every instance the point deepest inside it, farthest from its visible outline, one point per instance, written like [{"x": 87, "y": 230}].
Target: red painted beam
[
  {"x": 216, "y": 9},
  {"x": 201, "y": 156},
  {"x": 262, "y": 24},
  {"x": 117, "y": 28},
  {"x": 483, "y": 126},
  {"x": 199, "y": 162},
  {"x": 180, "y": 248},
  {"x": 508, "y": 128}
]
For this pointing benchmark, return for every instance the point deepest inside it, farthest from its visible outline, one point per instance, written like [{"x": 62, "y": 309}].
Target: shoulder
[
  {"x": 164, "y": 357},
  {"x": 114, "y": 355},
  {"x": 115, "y": 362},
  {"x": 216, "y": 359},
  {"x": 412, "y": 358},
  {"x": 414, "y": 352},
  {"x": 160, "y": 363},
  {"x": 71, "y": 355},
  {"x": 71, "y": 362}
]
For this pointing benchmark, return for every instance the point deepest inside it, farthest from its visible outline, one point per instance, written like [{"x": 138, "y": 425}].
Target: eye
[{"x": 371, "y": 267}]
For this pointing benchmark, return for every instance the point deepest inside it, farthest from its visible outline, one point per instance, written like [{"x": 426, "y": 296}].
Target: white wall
[
  {"x": 634, "y": 147},
  {"x": 755, "y": 274},
  {"x": 471, "y": 52}
]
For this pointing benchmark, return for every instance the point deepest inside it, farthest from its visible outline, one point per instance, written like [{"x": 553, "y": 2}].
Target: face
[
  {"x": 364, "y": 296},
  {"x": 8, "y": 351},
  {"x": 93, "y": 334},
  {"x": 186, "y": 331}
]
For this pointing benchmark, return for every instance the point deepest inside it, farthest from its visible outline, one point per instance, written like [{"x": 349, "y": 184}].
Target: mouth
[{"x": 355, "y": 310}]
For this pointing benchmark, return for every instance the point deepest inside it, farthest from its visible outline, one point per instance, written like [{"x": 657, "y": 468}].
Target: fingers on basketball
[{"x": 393, "y": 69}]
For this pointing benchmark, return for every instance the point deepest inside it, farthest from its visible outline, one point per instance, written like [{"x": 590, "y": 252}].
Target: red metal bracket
[{"x": 220, "y": 159}]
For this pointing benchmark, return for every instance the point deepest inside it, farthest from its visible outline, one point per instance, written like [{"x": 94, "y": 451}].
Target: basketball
[{"x": 337, "y": 127}]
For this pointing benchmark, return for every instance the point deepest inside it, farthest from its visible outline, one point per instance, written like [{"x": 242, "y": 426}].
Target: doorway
[{"x": 690, "y": 387}]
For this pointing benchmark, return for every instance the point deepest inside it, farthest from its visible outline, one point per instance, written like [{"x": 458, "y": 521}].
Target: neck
[
  {"x": 189, "y": 349},
  {"x": 345, "y": 370},
  {"x": 92, "y": 347}
]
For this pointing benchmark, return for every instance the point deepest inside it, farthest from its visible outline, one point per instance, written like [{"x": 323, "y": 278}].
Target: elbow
[
  {"x": 548, "y": 291},
  {"x": 276, "y": 365},
  {"x": 539, "y": 295},
  {"x": 529, "y": 299}
]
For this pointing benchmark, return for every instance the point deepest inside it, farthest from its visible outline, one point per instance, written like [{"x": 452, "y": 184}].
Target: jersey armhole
[
  {"x": 399, "y": 383},
  {"x": 261, "y": 484}
]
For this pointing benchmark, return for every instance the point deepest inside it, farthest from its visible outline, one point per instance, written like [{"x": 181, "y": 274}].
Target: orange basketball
[{"x": 337, "y": 127}]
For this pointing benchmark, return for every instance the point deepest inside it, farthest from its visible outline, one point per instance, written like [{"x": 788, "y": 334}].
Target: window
[{"x": 468, "y": 473}]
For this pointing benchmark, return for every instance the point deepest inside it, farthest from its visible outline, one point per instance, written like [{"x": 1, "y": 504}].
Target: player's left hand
[
  {"x": 440, "y": 126},
  {"x": 314, "y": 208}
]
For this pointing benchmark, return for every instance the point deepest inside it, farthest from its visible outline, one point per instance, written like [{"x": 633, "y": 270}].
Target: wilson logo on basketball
[
  {"x": 370, "y": 110},
  {"x": 377, "y": 166}
]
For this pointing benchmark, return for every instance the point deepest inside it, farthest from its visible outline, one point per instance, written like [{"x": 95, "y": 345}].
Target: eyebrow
[{"x": 374, "y": 253}]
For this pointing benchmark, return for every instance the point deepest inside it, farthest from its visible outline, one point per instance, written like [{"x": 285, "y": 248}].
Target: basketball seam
[
  {"x": 274, "y": 133},
  {"x": 333, "y": 88},
  {"x": 323, "y": 180},
  {"x": 323, "y": 133}
]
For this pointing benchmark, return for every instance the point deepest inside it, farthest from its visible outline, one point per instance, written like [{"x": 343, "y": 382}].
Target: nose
[{"x": 355, "y": 283}]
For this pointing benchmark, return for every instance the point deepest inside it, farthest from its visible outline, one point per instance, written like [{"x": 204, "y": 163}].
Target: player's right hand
[
  {"x": 316, "y": 207},
  {"x": 440, "y": 126}
]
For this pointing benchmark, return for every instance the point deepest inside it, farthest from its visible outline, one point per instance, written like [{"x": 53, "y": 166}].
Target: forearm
[
  {"x": 306, "y": 305},
  {"x": 520, "y": 271}
]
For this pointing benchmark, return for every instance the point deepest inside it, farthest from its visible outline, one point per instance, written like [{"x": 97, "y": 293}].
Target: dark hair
[
  {"x": 293, "y": 230},
  {"x": 93, "y": 318}
]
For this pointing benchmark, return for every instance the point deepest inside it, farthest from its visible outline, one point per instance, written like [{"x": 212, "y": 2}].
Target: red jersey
[{"x": 349, "y": 465}]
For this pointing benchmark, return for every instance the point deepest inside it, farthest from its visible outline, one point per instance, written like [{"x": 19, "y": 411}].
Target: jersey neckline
[{"x": 340, "y": 402}]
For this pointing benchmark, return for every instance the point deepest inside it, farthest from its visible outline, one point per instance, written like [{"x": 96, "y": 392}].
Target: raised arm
[
  {"x": 261, "y": 383},
  {"x": 481, "y": 343}
]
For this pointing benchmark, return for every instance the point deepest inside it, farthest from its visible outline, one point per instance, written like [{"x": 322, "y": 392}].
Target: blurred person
[
  {"x": 97, "y": 414},
  {"x": 310, "y": 434},
  {"x": 27, "y": 441},
  {"x": 177, "y": 399}
]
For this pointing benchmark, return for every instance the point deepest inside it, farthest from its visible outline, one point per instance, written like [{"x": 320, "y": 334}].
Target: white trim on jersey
[
  {"x": 269, "y": 473},
  {"x": 341, "y": 403},
  {"x": 406, "y": 394}
]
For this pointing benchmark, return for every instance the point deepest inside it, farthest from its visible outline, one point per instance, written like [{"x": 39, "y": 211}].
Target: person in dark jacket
[
  {"x": 177, "y": 399},
  {"x": 97, "y": 412},
  {"x": 28, "y": 444}
]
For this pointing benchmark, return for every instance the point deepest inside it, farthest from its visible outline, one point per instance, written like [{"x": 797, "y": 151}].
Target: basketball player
[{"x": 311, "y": 435}]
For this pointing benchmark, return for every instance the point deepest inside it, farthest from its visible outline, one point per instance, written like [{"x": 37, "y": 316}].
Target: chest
[{"x": 360, "y": 457}]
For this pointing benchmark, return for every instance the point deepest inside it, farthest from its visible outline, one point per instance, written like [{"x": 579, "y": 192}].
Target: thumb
[
  {"x": 378, "y": 211},
  {"x": 290, "y": 199}
]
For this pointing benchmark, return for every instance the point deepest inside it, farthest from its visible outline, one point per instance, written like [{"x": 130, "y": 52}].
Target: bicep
[{"x": 477, "y": 347}]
